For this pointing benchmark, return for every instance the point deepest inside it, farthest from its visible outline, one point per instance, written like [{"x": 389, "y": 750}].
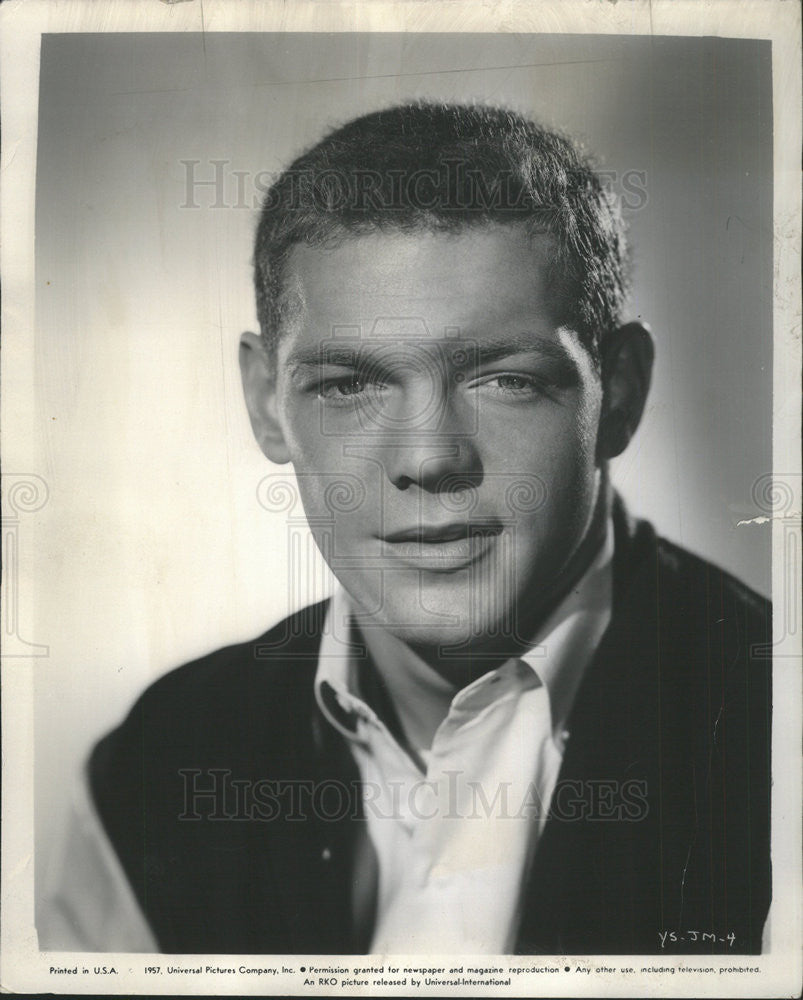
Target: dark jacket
[{"x": 659, "y": 837}]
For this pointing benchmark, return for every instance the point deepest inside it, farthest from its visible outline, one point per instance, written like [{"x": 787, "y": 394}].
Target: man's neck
[{"x": 419, "y": 694}]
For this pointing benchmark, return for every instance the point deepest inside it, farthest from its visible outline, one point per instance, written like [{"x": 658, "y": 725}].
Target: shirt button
[{"x": 326, "y": 854}]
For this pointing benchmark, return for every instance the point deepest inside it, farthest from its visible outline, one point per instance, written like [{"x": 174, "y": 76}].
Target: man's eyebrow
[
  {"x": 522, "y": 343},
  {"x": 476, "y": 352},
  {"x": 325, "y": 354}
]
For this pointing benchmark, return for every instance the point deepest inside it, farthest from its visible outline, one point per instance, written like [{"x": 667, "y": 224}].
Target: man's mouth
[{"x": 442, "y": 548}]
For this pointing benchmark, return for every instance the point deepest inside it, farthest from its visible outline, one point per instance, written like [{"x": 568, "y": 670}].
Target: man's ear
[
  {"x": 627, "y": 360},
  {"x": 259, "y": 388}
]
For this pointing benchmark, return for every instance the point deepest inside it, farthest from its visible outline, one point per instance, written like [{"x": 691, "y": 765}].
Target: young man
[{"x": 523, "y": 723}]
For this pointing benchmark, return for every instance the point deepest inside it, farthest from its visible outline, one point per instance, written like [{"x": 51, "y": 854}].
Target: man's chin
[{"x": 445, "y": 625}]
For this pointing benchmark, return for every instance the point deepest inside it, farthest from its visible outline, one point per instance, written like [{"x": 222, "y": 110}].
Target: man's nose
[{"x": 430, "y": 441}]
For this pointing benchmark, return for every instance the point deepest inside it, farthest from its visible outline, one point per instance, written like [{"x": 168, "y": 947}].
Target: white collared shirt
[{"x": 453, "y": 844}]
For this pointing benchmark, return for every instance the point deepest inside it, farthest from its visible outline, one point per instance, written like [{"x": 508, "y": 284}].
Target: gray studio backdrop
[{"x": 154, "y": 546}]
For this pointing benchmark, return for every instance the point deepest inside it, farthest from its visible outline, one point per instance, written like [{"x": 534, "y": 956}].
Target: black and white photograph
[{"x": 401, "y": 500}]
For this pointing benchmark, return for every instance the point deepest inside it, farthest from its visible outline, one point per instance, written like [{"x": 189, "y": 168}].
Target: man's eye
[
  {"x": 345, "y": 388},
  {"x": 513, "y": 385},
  {"x": 514, "y": 382}
]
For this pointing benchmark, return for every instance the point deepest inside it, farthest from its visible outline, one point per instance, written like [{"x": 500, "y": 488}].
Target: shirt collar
[
  {"x": 558, "y": 657},
  {"x": 336, "y": 676}
]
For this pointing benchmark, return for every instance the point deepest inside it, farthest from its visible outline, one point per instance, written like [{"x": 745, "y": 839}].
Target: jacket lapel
[{"x": 586, "y": 889}]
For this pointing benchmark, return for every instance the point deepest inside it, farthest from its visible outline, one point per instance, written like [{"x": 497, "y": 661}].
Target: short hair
[{"x": 441, "y": 167}]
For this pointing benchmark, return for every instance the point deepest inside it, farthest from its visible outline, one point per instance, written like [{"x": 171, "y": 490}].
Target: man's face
[{"x": 443, "y": 427}]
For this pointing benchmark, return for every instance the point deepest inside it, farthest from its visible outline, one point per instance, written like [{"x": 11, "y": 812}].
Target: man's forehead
[{"x": 448, "y": 280}]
